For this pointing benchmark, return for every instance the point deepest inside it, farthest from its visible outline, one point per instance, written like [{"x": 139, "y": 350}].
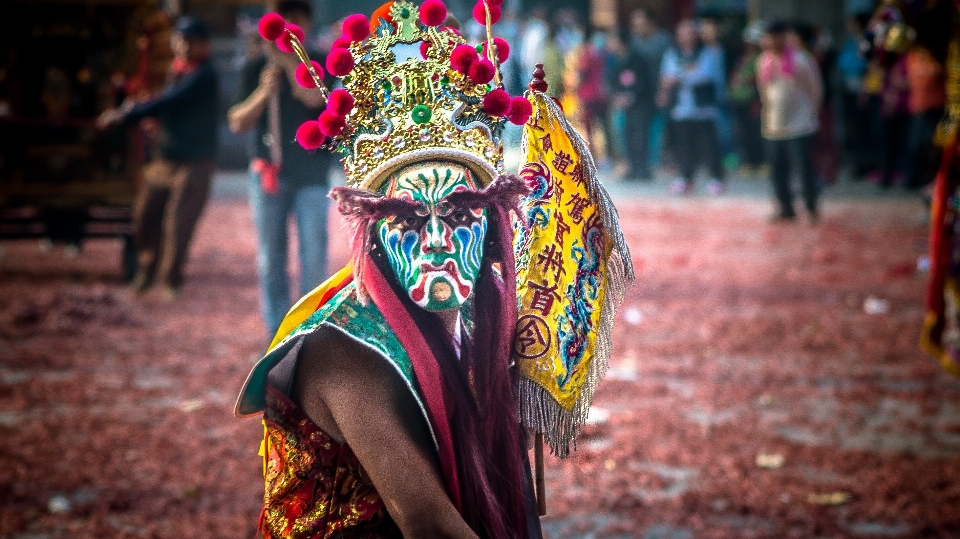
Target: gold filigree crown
[{"x": 411, "y": 105}]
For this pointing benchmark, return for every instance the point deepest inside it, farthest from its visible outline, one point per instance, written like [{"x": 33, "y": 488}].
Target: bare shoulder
[{"x": 338, "y": 376}]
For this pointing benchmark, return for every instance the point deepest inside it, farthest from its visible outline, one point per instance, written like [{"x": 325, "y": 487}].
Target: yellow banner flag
[{"x": 572, "y": 268}]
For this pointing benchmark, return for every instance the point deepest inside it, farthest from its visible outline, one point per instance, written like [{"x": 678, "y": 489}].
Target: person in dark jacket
[
  {"x": 285, "y": 179},
  {"x": 633, "y": 93},
  {"x": 176, "y": 183}
]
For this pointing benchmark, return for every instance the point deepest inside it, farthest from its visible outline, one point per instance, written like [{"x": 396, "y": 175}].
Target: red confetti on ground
[{"x": 118, "y": 408}]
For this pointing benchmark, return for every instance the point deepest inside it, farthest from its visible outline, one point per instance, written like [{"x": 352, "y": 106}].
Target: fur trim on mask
[{"x": 362, "y": 209}]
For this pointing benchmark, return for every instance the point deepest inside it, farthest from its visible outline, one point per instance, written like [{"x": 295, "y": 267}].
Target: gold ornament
[{"x": 410, "y": 108}]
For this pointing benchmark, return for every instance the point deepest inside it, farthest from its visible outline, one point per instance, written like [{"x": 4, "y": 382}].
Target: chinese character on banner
[
  {"x": 561, "y": 162},
  {"x": 543, "y": 297},
  {"x": 572, "y": 270}
]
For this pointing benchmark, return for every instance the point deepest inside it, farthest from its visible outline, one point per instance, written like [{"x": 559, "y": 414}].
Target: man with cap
[{"x": 177, "y": 181}]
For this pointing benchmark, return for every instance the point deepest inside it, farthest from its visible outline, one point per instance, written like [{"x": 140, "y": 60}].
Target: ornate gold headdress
[{"x": 412, "y": 91}]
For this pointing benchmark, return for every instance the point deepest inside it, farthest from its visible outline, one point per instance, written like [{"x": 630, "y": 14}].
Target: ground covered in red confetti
[{"x": 767, "y": 382}]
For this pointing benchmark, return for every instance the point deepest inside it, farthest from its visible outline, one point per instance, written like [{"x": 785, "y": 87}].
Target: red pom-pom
[
  {"x": 303, "y": 76},
  {"x": 340, "y": 102},
  {"x": 331, "y": 124},
  {"x": 285, "y": 42},
  {"x": 503, "y": 49},
  {"x": 309, "y": 135},
  {"x": 496, "y": 102},
  {"x": 356, "y": 27},
  {"x": 481, "y": 71},
  {"x": 462, "y": 57},
  {"x": 480, "y": 15},
  {"x": 433, "y": 12},
  {"x": 497, "y": 3},
  {"x": 520, "y": 110},
  {"x": 340, "y": 43},
  {"x": 424, "y": 47},
  {"x": 339, "y": 62},
  {"x": 271, "y": 26}
]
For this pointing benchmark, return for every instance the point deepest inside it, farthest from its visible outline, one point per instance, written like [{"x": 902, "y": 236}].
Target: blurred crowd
[{"x": 649, "y": 98}]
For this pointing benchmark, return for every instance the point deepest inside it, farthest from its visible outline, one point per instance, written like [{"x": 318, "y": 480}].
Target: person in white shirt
[{"x": 791, "y": 91}]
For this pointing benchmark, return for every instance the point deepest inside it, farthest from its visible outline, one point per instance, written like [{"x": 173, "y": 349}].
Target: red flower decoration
[
  {"x": 309, "y": 135},
  {"x": 356, "y": 27},
  {"x": 285, "y": 41},
  {"x": 303, "y": 76},
  {"x": 340, "y": 102},
  {"x": 520, "y": 110},
  {"x": 479, "y": 13},
  {"x": 271, "y": 26},
  {"x": 331, "y": 124},
  {"x": 339, "y": 62},
  {"x": 341, "y": 43},
  {"x": 481, "y": 71},
  {"x": 496, "y": 102},
  {"x": 433, "y": 12},
  {"x": 462, "y": 57},
  {"x": 503, "y": 49}
]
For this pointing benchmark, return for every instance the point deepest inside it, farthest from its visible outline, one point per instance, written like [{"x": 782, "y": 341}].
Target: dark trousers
[
  {"x": 695, "y": 143},
  {"x": 165, "y": 215},
  {"x": 749, "y": 139},
  {"x": 894, "y": 142},
  {"x": 637, "y": 133},
  {"x": 921, "y": 155},
  {"x": 795, "y": 152}
]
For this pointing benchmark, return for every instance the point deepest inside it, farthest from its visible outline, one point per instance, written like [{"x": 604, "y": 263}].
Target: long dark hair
[{"x": 487, "y": 436}]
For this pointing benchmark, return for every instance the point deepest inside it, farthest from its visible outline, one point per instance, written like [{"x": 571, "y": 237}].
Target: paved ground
[{"x": 766, "y": 383}]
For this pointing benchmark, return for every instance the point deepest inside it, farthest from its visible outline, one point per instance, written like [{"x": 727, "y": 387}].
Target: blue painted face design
[{"x": 435, "y": 253}]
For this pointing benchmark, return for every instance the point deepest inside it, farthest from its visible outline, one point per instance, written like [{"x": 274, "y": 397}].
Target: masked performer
[{"x": 392, "y": 396}]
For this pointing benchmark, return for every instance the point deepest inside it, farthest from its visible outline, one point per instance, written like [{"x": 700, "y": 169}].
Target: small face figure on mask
[{"x": 436, "y": 250}]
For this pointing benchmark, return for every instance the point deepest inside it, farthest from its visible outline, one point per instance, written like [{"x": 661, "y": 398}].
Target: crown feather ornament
[{"x": 419, "y": 91}]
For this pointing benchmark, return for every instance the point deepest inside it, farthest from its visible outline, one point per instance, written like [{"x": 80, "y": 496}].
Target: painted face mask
[{"x": 435, "y": 251}]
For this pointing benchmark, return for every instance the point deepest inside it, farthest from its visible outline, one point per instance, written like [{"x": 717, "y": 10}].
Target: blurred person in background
[
  {"x": 872, "y": 128},
  {"x": 570, "y": 32},
  {"x": 633, "y": 90},
  {"x": 745, "y": 102},
  {"x": 895, "y": 114},
  {"x": 614, "y": 51},
  {"x": 534, "y": 34},
  {"x": 926, "y": 80},
  {"x": 852, "y": 68},
  {"x": 554, "y": 63},
  {"x": 791, "y": 91},
  {"x": 285, "y": 179},
  {"x": 651, "y": 43},
  {"x": 692, "y": 84},
  {"x": 824, "y": 153},
  {"x": 710, "y": 37},
  {"x": 587, "y": 84},
  {"x": 176, "y": 182}
]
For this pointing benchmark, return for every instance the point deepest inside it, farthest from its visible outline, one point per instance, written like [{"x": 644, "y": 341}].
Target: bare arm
[
  {"x": 242, "y": 116},
  {"x": 356, "y": 397}
]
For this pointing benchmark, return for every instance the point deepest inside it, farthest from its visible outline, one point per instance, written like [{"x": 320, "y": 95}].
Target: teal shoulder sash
[{"x": 344, "y": 312}]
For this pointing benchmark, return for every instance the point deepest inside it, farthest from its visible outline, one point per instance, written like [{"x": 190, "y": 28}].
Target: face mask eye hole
[{"x": 411, "y": 221}]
